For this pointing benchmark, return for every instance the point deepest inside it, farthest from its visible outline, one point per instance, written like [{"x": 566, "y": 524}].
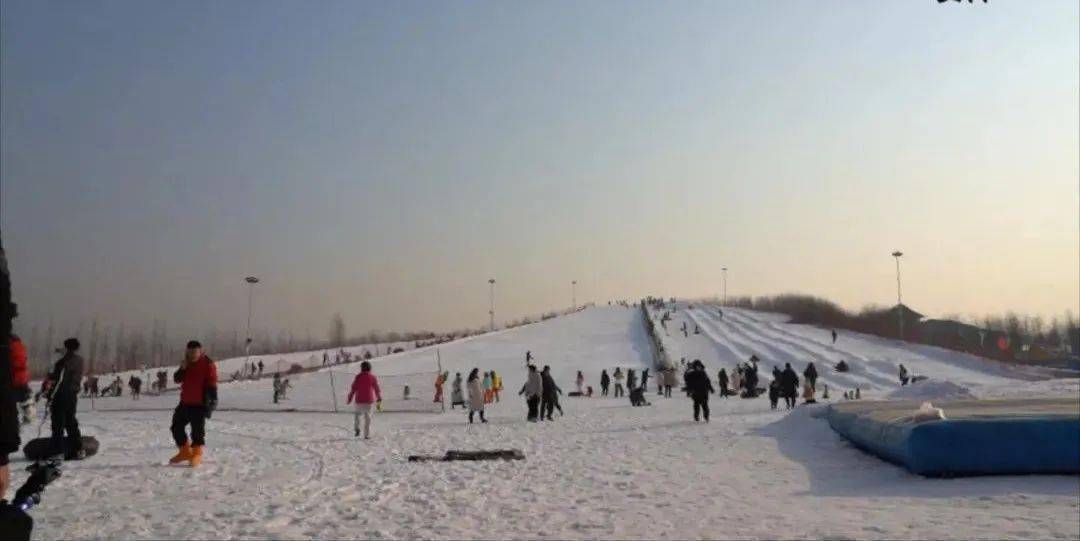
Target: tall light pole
[
  {"x": 724, "y": 269},
  {"x": 573, "y": 294},
  {"x": 251, "y": 281},
  {"x": 491, "y": 312},
  {"x": 899, "y": 303}
]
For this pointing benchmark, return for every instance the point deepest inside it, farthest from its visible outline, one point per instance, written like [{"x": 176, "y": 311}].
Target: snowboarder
[
  {"x": 457, "y": 395},
  {"x": 789, "y": 385},
  {"x": 476, "y": 395},
  {"x": 580, "y": 381},
  {"x": 903, "y": 375},
  {"x": 549, "y": 398},
  {"x": 605, "y": 382},
  {"x": 834, "y": 336},
  {"x": 722, "y": 379},
  {"x": 618, "y": 383},
  {"x": 365, "y": 390},
  {"x": 197, "y": 377},
  {"x": 811, "y": 375},
  {"x": 534, "y": 386},
  {"x": 699, "y": 387},
  {"x": 63, "y": 399}
]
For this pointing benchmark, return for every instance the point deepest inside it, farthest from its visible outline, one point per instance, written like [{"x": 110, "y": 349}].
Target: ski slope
[{"x": 604, "y": 470}]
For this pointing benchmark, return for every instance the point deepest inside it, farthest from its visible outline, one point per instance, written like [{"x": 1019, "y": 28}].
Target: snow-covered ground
[{"x": 604, "y": 470}]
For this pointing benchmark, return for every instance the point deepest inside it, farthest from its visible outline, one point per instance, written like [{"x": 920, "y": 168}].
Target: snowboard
[{"x": 39, "y": 448}]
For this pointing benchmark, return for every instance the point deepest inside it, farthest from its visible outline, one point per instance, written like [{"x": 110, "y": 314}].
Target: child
[{"x": 774, "y": 393}]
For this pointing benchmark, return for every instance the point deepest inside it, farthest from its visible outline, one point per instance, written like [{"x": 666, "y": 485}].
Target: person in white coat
[{"x": 476, "y": 395}]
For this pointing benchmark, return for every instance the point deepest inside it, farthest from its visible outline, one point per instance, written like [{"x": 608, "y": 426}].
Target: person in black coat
[
  {"x": 549, "y": 397},
  {"x": 811, "y": 376},
  {"x": 722, "y": 379},
  {"x": 789, "y": 385},
  {"x": 631, "y": 380},
  {"x": 605, "y": 382},
  {"x": 65, "y": 381},
  {"x": 699, "y": 387}
]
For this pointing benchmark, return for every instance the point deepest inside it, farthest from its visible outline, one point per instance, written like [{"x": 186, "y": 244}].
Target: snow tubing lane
[{"x": 979, "y": 437}]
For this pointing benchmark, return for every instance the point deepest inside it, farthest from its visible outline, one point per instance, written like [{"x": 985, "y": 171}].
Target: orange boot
[
  {"x": 196, "y": 456},
  {"x": 184, "y": 453}
]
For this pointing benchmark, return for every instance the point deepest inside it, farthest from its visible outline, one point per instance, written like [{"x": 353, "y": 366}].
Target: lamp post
[
  {"x": 899, "y": 303},
  {"x": 251, "y": 281},
  {"x": 573, "y": 294},
  {"x": 724, "y": 269},
  {"x": 491, "y": 311}
]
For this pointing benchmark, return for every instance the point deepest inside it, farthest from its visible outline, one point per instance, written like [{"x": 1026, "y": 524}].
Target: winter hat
[
  {"x": 71, "y": 344},
  {"x": 194, "y": 344}
]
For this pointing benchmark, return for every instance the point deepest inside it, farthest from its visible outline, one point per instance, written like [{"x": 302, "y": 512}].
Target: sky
[{"x": 385, "y": 159}]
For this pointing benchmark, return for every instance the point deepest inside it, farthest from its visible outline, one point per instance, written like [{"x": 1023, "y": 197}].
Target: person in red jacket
[
  {"x": 365, "y": 389},
  {"x": 20, "y": 379},
  {"x": 197, "y": 377}
]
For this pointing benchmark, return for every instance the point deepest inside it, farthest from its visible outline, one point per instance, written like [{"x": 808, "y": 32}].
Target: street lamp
[
  {"x": 573, "y": 294},
  {"x": 899, "y": 303},
  {"x": 491, "y": 312},
  {"x": 251, "y": 281},
  {"x": 724, "y": 269}
]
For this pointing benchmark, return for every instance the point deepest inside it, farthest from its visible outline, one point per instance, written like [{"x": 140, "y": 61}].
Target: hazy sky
[{"x": 384, "y": 159}]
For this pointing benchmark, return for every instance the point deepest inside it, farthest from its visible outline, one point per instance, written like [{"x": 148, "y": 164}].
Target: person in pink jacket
[{"x": 365, "y": 389}]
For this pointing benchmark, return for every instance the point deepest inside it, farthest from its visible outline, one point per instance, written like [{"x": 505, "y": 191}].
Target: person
[
  {"x": 63, "y": 398},
  {"x": 644, "y": 379},
  {"x": 605, "y": 382},
  {"x": 475, "y": 388},
  {"x": 842, "y": 366},
  {"x": 277, "y": 387},
  {"x": 488, "y": 397},
  {"x": 163, "y": 382},
  {"x": 618, "y": 383},
  {"x": 811, "y": 375},
  {"x": 774, "y": 393},
  {"x": 135, "y": 383},
  {"x": 496, "y": 385},
  {"x": 457, "y": 396},
  {"x": 325, "y": 358},
  {"x": 580, "y": 381},
  {"x": 20, "y": 379},
  {"x": 736, "y": 379},
  {"x": 699, "y": 387},
  {"x": 789, "y": 385},
  {"x": 903, "y": 375},
  {"x": 722, "y": 379},
  {"x": 440, "y": 379},
  {"x": 858, "y": 394},
  {"x": 776, "y": 374},
  {"x": 197, "y": 377},
  {"x": 549, "y": 398},
  {"x": 720, "y": 313},
  {"x": 533, "y": 388},
  {"x": 808, "y": 393},
  {"x": 631, "y": 379},
  {"x": 260, "y": 368},
  {"x": 669, "y": 381},
  {"x": 834, "y": 336},
  {"x": 9, "y": 416},
  {"x": 365, "y": 390},
  {"x": 528, "y": 358}
]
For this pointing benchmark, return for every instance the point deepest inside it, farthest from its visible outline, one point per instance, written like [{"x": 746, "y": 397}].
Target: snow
[
  {"x": 604, "y": 470},
  {"x": 931, "y": 390}
]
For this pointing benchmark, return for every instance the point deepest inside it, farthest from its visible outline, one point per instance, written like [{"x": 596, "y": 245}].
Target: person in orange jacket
[{"x": 197, "y": 377}]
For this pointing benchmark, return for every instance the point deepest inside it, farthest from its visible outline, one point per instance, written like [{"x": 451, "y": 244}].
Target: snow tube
[{"x": 978, "y": 437}]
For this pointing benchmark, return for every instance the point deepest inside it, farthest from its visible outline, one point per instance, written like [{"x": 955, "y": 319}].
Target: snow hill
[{"x": 605, "y": 470}]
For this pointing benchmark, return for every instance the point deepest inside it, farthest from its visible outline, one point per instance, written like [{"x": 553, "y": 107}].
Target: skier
[
  {"x": 365, "y": 389},
  {"x": 457, "y": 396},
  {"x": 618, "y": 383},
  {"x": 605, "y": 382},
  {"x": 476, "y": 395},
  {"x": 197, "y": 377},
  {"x": 903, "y": 375},
  {"x": 534, "y": 386},
  {"x": 834, "y": 336},
  {"x": 722, "y": 379},
  {"x": 700, "y": 387},
  {"x": 549, "y": 398},
  {"x": 496, "y": 385},
  {"x": 811, "y": 375},
  {"x": 580, "y": 381},
  {"x": 63, "y": 398},
  {"x": 789, "y": 385}
]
